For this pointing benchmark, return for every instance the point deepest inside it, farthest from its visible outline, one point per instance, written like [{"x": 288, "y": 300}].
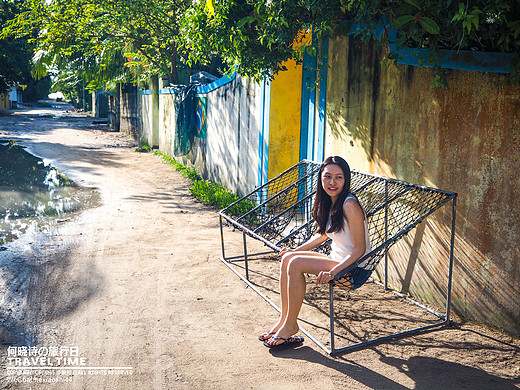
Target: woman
[{"x": 340, "y": 217}]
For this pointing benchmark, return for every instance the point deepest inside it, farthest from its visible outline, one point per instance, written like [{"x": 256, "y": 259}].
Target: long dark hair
[{"x": 321, "y": 208}]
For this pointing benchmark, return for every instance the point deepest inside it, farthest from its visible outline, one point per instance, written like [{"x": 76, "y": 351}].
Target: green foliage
[
  {"x": 481, "y": 25},
  {"x": 209, "y": 193},
  {"x": 243, "y": 207},
  {"x": 256, "y": 37},
  {"x": 477, "y": 25},
  {"x": 15, "y": 54},
  {"x": 98, "y": 42},
  {"x": 36, "y": 89},
  {"x": 93, "y": 43},
  {"x": 440, "y": 78},
  {"x": 65, "y": 41},
  {"x": 212, "y": 194},
  {"x": 188, "y": 173},
  {"x": 145, "y": 147}
]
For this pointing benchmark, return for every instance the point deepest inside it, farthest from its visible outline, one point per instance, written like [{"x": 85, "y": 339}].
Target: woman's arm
[
  {"x": 308, "y": 245},
  {"x": 355, "y": 217}
]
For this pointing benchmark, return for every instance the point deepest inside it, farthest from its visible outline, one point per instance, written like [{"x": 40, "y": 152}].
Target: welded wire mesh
[
  {"x": 280, "y": 210},
  {"x": 393, "y": 209},
  {"x": 279, "y": 206}
]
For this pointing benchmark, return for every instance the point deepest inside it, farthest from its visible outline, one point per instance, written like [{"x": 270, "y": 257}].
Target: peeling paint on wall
[{"x": 463, "y": 138}]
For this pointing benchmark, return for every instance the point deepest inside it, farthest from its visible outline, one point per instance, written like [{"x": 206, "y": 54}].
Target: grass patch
[
  {"x": 207, "y": 192},
  {"x": 212, "y": 194},
  {"x": 188, "y": 173},
  {"x": 145, "y": 147}
]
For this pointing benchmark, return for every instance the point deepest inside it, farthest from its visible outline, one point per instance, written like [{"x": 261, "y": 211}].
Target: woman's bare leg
[
  {"x": 293, "y": 286},
  {"x": 284, "y": 263}
]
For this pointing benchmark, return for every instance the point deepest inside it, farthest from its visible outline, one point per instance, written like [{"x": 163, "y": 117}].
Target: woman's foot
[
  {"x": 266, "y": 335},
  {"x": 284, "y": 333}
]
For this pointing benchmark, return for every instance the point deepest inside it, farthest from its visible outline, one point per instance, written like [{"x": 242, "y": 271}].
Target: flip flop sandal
[
  {"x": 291, "y": 342},
  {"x": 266, "y": 338}
]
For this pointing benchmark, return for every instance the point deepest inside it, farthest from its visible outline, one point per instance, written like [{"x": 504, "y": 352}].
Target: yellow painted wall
[{"x": 284, "y": 119}]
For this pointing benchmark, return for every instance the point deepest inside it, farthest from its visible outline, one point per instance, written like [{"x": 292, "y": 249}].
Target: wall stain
[{"x": 463, "y": 138}]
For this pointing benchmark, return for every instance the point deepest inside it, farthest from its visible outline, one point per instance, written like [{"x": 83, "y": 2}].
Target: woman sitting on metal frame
[{"x": 339, "y": 216}]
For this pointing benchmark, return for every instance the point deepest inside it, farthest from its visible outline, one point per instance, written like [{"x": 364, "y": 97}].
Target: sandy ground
[{"x": 135, "y": 285}]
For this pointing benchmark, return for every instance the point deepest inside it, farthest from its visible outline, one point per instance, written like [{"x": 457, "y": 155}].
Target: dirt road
[{"x": 134, "y": 287}]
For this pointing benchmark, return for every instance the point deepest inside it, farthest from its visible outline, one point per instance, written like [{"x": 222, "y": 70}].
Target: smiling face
[{"x": 333, "y": 180}]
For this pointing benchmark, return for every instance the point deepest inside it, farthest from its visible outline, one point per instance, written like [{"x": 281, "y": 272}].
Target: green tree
[
  {"x": 257, "y": 36},
  {"x": 15, "y": 54},
  {"x": 102, "y": 41},
  {"x": 146, "y": 31},
  {"x": 455, "y": 25},
  {"x": 99, "y": 40}
]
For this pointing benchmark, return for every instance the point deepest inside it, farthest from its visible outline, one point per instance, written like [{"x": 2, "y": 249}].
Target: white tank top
[{"x": 342, "y": 240}]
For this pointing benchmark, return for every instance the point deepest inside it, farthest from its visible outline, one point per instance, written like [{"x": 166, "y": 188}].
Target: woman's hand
[
  {"x": 285, "y": 250},
  {"x": 324, "y": 277}
]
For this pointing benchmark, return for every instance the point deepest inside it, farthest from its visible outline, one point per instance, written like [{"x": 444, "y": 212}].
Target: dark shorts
[{"x": 354, "y": 279}]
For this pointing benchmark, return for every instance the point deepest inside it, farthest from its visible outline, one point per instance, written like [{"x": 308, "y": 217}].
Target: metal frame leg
[
  {"x": 386, "y": 234},
  {"x": 245, "y": 255},
  {"x": 450, "y": 271},
  {"x": 239, "y": 256},
  {"x": 222, "y": 238},
  {"x": 331, "y": 317}
]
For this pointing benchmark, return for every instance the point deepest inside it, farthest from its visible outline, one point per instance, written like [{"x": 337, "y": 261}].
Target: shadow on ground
[{"x": 427, "y": 373}]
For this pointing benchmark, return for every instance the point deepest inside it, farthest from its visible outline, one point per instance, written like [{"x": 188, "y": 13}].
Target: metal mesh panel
[
  {"x": 393, "y": 208},
  {"x": 278, "y": 207},
  {"x": 279, "y": 212}
]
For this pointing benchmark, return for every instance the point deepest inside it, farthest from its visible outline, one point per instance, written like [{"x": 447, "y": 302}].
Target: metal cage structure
[{"x": 279, "y": 215}]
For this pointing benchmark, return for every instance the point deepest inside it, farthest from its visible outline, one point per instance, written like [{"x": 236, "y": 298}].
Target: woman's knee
[
  {"x": 296, "y": 265},
  {"x": 286, "y": 259}
]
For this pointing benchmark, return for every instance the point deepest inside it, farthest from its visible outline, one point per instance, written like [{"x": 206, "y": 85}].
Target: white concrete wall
[
  {"x": 229, "y": 154},
  {"x": 146, "y": 119},
  {"x": 167, "y": 123},
  {"x": 233, "y": 128},
  {"x": 13, "y": 95}
]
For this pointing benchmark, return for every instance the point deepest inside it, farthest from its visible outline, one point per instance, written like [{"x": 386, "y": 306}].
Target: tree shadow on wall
[{"x": 351, "y": 113}]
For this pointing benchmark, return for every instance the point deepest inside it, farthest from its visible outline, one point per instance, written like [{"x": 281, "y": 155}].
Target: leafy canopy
[
  {"x": 15, "y": 54},
  {"x": 447, "y": 24},
  {"x": 100, "y": 40},
  {"x": 257, "y": 36}
]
